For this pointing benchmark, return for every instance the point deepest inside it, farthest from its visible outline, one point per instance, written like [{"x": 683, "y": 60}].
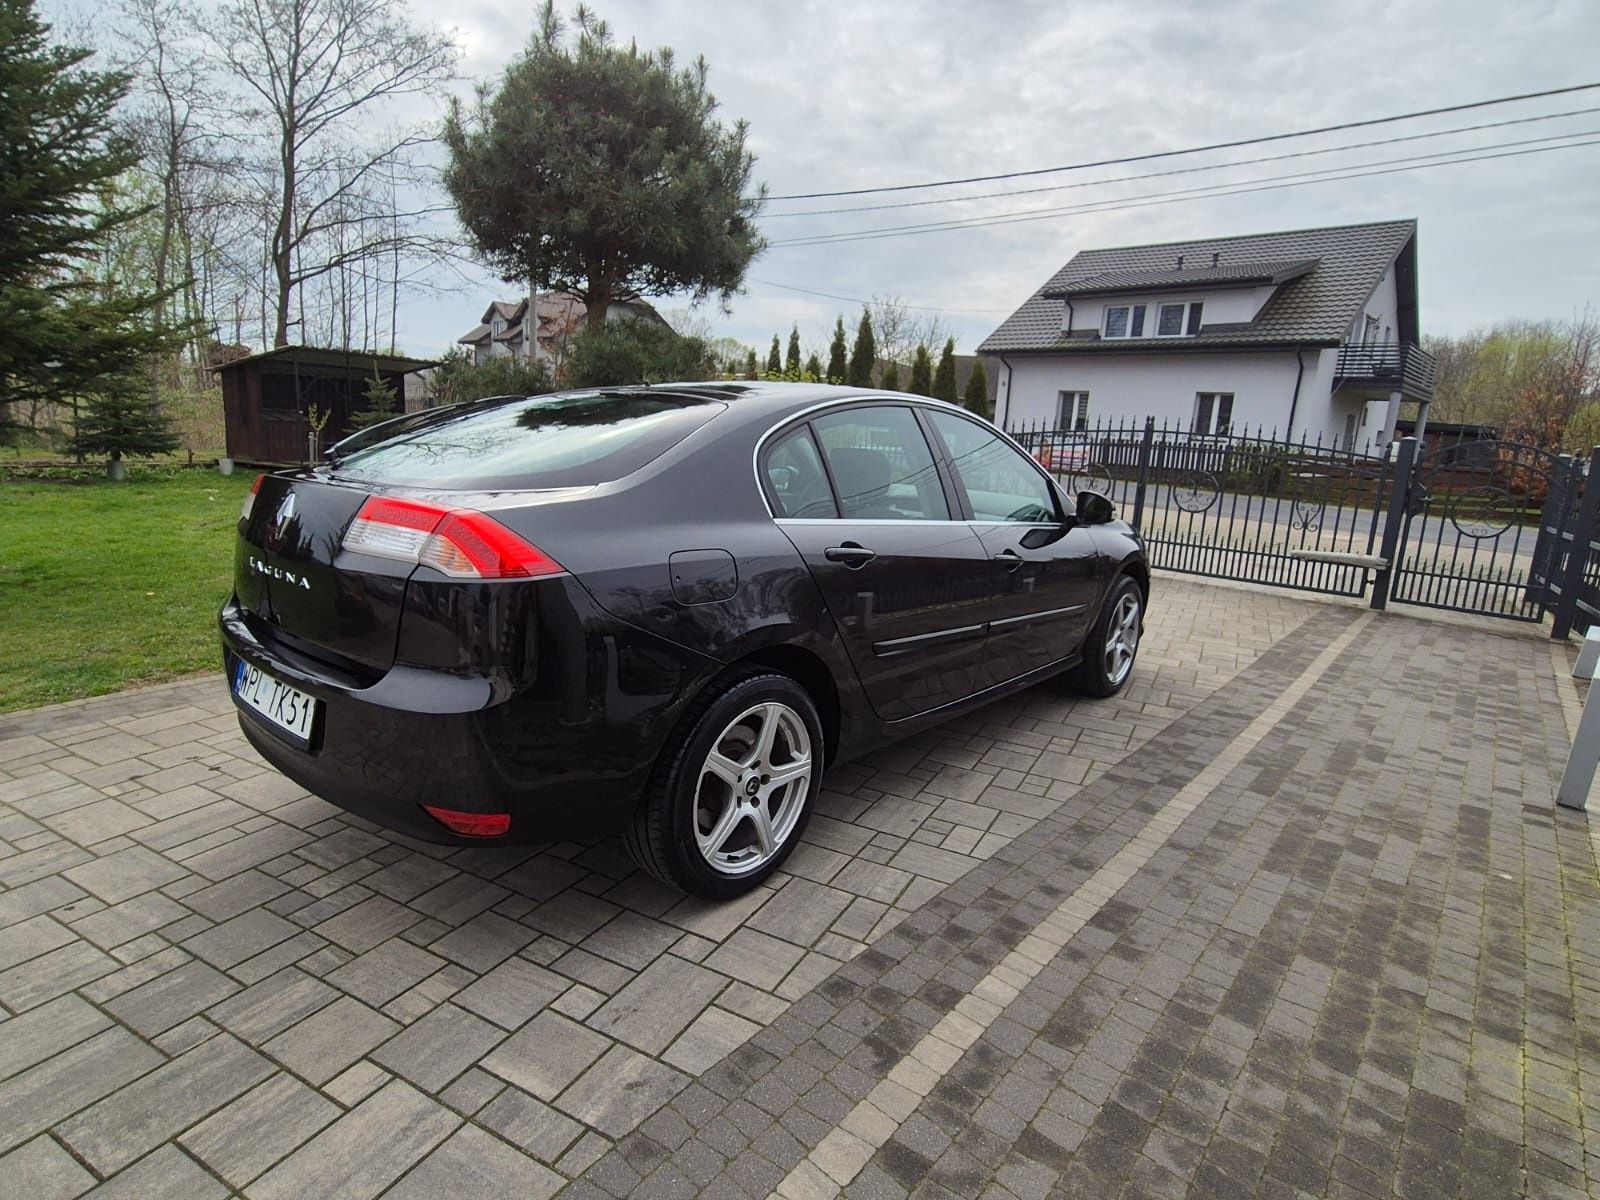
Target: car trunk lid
[{"x": 294, "y": 576}]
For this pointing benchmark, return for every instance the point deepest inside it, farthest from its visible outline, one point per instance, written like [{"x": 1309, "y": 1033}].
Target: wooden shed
[{"x": 266, "y": 397}]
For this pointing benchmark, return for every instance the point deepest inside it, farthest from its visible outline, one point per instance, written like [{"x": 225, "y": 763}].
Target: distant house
[
  {"x": 506, "y": 330},
  {"x": 1310, "y": 333}
]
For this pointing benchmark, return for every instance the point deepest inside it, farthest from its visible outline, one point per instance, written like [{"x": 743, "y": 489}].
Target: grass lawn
[{"x": 104, "y": 585}]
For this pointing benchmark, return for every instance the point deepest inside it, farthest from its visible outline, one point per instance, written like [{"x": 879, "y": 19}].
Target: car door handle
[
  {"x": 850, "y": 554},
  {"x": 1009, "y": 559}
]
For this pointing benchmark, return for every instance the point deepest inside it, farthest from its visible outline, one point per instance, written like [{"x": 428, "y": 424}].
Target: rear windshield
[{"x": 531, "y": 442}]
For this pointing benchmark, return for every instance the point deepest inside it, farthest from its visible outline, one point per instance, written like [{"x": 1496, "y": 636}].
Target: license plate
[{"x": 280, "y": 705}]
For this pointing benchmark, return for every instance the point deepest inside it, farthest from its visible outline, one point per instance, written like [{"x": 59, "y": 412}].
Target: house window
[
  {"x": 1178, "y": 320},
  {"x": 1124, "y": 320},
  {"x": 1213, "y": 413},
  {"x": 1369, "y": 331},
  {"x": 498, "y": 327},
  {"x": 1072, "y": 410}
]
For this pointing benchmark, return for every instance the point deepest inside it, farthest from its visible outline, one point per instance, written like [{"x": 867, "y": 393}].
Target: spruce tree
[
  {"x": 774, "y": 358},
  {"x": 123, "y": 421},
  {"x": 838, "y": 365},
  {"x": 921, "y": 374},
  {"x": 382, "y": 403},
  {"x": 891, "y": 378},
  {"x": 976, "y": 397},
  {"x": 792, "y": 365},
  {"x": 750, "y": 368},
  {"x": 814, "y": 369},
  {"x": 865, "y": 354},
  {"x": 65, "y": 334},
  {"x": 944, "y": 378}
]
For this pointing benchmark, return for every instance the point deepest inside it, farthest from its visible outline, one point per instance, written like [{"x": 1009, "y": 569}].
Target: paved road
[{"x": 1293, "y": 916}]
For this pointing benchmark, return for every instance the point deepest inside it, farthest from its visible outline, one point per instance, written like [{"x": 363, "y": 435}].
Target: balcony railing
[{"x": 1399, "y": 368}]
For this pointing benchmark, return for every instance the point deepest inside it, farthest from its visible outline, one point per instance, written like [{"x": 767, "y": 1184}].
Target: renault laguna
[{"x": 658, "y": 612}]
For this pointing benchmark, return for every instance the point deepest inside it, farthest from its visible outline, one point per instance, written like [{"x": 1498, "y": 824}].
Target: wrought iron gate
[
  {"x": 1478, "y": 525},
  {"x": 1485, "y": 529},
  {"x": 1250, "y": 507}
]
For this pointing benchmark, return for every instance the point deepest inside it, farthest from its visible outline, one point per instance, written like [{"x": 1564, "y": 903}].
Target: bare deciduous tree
[
  {"x": 317, "y": 71},
  {"x": 899, "y": 330}
]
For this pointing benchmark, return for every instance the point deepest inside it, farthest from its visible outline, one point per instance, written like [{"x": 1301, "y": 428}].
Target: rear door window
[
  {"x": 796, "y": 479},
  {"x": 881, "y": 465},
  {"x": 530, "y": 442}
]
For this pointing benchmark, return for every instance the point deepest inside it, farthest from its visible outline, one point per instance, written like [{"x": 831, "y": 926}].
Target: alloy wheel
[
  {"x": 752, "y": 788},
  {"x": 1122, "y": 638}
]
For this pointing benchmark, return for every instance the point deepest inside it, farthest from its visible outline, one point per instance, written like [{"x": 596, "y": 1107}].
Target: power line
[
  {"x": 1259, "y": 185},
  {"x": 857, "y": 300},
  {"x": 1230, "y": 145},
  {"x": 1221, "y": 166}
]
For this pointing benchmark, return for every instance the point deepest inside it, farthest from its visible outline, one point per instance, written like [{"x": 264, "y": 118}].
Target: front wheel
[
  {"x": 732, "y": 795},
  {"x": 1113, "y": 642}
]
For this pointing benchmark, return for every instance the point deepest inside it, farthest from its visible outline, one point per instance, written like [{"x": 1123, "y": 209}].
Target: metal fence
[
  {"x": 1255, "y": 507},
  {"x": 1467, "y": 523}
]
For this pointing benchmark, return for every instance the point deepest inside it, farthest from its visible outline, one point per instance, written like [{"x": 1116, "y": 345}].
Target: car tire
[
  {"x": 1112, "y": 645},
  {"x": 733, "y": 790}
]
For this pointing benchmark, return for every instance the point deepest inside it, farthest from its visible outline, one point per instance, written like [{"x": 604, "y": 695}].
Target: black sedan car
[{"x": 656, "y": 611}]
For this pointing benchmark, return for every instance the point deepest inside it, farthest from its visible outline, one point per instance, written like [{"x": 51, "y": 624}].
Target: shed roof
[{"x": 329, "y": 361}]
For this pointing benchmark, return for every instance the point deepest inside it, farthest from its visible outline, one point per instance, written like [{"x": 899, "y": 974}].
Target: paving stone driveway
[{"x": 1324, "y": 936}]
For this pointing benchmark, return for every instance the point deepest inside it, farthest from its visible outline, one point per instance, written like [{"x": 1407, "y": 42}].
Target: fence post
[
  {"x": 1542, "y": 579},
  {"x": 1145, "y": 448},
  {"x": 1578, "y": 556},
  {"x": 1394, "y": 520}
]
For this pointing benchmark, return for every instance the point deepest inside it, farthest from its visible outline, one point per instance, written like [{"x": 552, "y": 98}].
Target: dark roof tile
[{"x": 1317, "y": 306}]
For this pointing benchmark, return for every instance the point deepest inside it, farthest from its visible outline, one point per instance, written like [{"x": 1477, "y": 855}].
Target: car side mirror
[{"x": 1095, "y": 509}]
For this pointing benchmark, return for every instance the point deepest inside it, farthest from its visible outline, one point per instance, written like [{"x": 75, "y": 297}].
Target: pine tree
[
  {"x": 814, "y": 369},
  {"x": 865, "y": 354},
  {"x": 921, "y": 374},
  {"x": 65, "y": 334},
  {"x": 944, "y": 377},
  {"x": 976, "y": 397},
  {"x": 750, "y": 368},
  {"x": 891, "y": 378},
  {"x": 382, "y": 403},
  {"x": 838, "y": 366},
  {"x": 774, "y": 358},
  {"x": 792, "y": 365}
]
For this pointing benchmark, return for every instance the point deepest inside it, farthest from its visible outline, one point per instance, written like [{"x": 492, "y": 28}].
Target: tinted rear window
[{"x": 534, "y": 442}]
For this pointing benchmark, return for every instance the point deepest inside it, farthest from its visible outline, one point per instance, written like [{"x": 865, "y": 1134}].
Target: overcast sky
[{"x": 868, "y": 93}]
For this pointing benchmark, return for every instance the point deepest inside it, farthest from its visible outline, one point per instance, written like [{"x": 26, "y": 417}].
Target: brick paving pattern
[{"x": 1325, "y": 935}]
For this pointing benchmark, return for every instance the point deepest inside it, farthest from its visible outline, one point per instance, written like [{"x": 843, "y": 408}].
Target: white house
[
  {"x": 1307, "y": 333},
  {"x": 507, "y": 330}
]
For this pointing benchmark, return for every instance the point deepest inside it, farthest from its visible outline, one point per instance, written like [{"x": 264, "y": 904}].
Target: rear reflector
[
  {"x": 250, "y": 498},
  {"x": 456, "y": 541},
  {"x": 470, "y": 824}
]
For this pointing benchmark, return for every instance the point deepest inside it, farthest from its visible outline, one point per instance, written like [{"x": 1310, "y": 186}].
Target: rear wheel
[
  {"x": 1113, "y": 642},
  {"x": 732, "y": 795}
]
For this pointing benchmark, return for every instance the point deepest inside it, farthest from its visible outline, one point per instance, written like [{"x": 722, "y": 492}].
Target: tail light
[
  {"x": 470, "y": 824},
  {"x": 250, "y": 498},
  {"x": 456, "y": 541}
]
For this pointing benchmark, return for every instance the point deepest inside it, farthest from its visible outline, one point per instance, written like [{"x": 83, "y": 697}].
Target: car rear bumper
[{"x": 566, "y": 753}]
